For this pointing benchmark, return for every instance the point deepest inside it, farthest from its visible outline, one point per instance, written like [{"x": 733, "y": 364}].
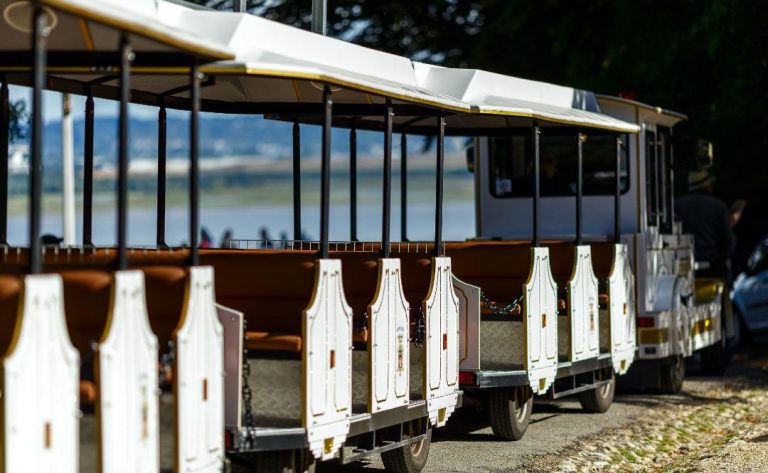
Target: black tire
[
  {"x": 715, "y": 358},
  {"x": 672, "y": 375},
  {"x": 509, "y": 411},
  {"x": 411, "y": 458},
  {"x": 598, "y": 400},
  {"x": 286, "y": 461}
]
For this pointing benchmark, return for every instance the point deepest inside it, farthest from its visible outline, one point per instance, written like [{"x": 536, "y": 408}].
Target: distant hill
[{"x": 220, "y": 136}]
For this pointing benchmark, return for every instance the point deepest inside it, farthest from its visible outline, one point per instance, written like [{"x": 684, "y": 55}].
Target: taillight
[
  {"x": 645, "y": 322},
  {"x": 466, "y": 377},
  {"x": 228, "y": 440}
]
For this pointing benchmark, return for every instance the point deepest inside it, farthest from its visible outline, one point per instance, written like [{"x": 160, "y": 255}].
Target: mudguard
[
  {"x": 389, "y": 340},
  {"x": 40, "y": 384},
  {"x": 126, "y": 372},
  {"x": 327, "y": 362},
  {"x": 540, "y": 319},
  {"x": 583, "y": 304},
  {"x": 441, "y": 313},
  {"x": 199, "y": 381},
  {"x": 621, "y": 302}
]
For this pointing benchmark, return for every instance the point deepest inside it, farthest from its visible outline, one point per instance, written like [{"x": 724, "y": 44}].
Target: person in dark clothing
[{"x": 709, "y": 220}]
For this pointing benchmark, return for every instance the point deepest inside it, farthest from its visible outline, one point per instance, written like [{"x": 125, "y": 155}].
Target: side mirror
[
  {"x": 470, "y": 157},
  {"x": 694, "y": 154}
]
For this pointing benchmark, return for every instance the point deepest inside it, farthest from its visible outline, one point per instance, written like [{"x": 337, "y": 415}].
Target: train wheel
[
  {"x": 285, "y": 461},
  {"x": 509, "y": 411},
  {"x": 411, "y": 458},
  {"x": 714, "y": 358},
  {"x": 598, "y": 400},
  {"x": 672, "y": 375}
]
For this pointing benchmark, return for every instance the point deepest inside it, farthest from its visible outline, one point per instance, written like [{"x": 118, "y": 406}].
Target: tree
[{"x": 708, "y": 59}]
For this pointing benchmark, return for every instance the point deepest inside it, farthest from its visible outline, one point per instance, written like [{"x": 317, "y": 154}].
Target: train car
[
  {"x": 306, "y": 395},
  {"x": 547, "y": 286},
  {"x": 80, "y": 365},
  {"x": 273, "y": 356},
  {"x": 679, "y": 314}
]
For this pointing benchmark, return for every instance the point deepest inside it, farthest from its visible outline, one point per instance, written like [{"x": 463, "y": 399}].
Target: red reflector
[
  {"x": 227, "y": 440},
  {"x": 466, "y": 377},
  {"x": 645, "y": 322}
]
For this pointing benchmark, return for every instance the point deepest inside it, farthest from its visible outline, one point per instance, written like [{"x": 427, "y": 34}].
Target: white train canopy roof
[
  {"x": 280, "y": 71},
  {"x": 96, "y": 26}
]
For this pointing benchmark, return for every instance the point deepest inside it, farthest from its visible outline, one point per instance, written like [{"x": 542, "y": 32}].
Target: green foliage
[{"x": 708, "y": 59}]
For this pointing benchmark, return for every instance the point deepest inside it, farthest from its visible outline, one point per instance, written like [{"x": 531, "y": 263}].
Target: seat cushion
[
  {"x": 266, "y": 341},
  {"x": 10, "y": 288}
]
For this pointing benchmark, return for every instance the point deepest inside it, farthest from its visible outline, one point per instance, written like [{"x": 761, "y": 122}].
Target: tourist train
[{"x": 276, "y": 356}]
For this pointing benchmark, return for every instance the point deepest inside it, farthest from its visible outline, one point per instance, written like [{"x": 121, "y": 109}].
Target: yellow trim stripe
[
  {"x": 394, "y": 95},
  {"x": 702, "y": 326},
  {"x": 270, "y": 73},
  {"x": 121, "y": 23},
  {"x": 297, "y": 91},
  {"x": 87, "y": 37},
  {"x": 653, "y": 336}
]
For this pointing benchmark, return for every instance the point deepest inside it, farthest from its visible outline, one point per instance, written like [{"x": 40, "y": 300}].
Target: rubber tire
[
  {"x": 509, "y": 411},
  {"x": 672, "y": 375},
  {"x": 409, "y": 459},
  {"x": 598, "y": 400},
  {"x": 284, "y": 461},
  {"x": 715, "y": 358}
]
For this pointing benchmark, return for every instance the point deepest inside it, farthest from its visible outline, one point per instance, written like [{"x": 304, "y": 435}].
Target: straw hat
[{"x": 699, "y": 179}]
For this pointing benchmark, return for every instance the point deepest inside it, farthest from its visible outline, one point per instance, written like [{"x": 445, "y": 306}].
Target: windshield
[{"x": 511, "y": 164}]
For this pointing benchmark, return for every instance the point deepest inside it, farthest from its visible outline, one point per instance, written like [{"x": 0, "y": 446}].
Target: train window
[{"x": 511, "y": 166}]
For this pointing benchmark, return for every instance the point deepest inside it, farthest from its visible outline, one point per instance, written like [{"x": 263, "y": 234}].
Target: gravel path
[{"x": 714, "y": 425}]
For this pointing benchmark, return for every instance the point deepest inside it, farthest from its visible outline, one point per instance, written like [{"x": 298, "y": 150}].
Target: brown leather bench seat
[
  {"x": 10, "y": 289},
  {"x": 499, "y": 269},
  {"x": 360, "y": 272},
  {"x": 602, "y": 259},
  {"x": 602, "y": 264},
  {"x": 271, "y": 287},
  {"x": 87, "y": 296}
]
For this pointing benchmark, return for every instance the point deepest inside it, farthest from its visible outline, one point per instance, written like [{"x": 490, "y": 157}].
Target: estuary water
[{"x": 249, "y": 221}]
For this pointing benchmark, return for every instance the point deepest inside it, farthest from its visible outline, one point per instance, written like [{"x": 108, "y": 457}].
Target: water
[{"x": 246, "y": 222}]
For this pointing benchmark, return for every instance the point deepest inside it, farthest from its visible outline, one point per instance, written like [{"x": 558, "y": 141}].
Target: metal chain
[
  {"x": 166, "y": 361},
  {"x": 247, "y": 395},
  {"x": 506, "y": 310},
  {"x": 419, "y": 331}
]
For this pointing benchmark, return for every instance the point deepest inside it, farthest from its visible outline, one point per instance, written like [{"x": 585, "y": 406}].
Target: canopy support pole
[
  {"x": 671, "y": 187},
  {"x": 39, "y": 36},
  {"x": 162, "y": 156},
  {"x": 536, "y": 183},
  {"x": 658, "y": 167},
  {"x": 617, "y": 194},
  {"x": 438, "y": 250},
  {"x": 353, "y": 183},
  {"x": 194, "y": 170},
  {"x": 387, "y": 183},
  {"x": 403, "y": 187},
  {"x": 579, "y": 187},
  {"x": 88, "y": 171},
  {"x": 5, "y": 119},
  {"x": 296, "y": 181},
  {"x": 319, "y": 8},
  {"x": 325, "y": 184},
  {"x": 126, "y": 56}
]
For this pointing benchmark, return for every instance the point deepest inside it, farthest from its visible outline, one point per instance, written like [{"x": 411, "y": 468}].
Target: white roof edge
[
  {"x": 635, "y": 103},
  {"x": 493, "y": 93},
  {"x": 141, "y": 17}
]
